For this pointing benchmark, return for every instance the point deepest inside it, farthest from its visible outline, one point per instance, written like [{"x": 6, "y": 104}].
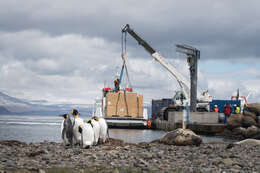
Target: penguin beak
[{"x": 62, "y": 115}]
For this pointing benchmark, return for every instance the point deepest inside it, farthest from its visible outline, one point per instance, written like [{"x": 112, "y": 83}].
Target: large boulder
[
  {"x": 248, "y": 141},
  {"x": 258, "y": 121},
  {"x": 257, "y": 136},
  {"x": 181, "y": 137},
  {"x": 248, "y": 121},
  {"x": 238, "y": 131},
  {"x": 254, "y": 107},
  {"x": 235, "y": 120},
  {"x": 250, "y": 114},
  {"x": 251, "y": 132}
]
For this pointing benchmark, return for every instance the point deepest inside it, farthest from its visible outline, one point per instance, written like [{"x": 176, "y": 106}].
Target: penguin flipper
[
  {"x": 63, "y": 133},
  {"x": 69, "y": 133},
  {"x": 107, "y": 130}
]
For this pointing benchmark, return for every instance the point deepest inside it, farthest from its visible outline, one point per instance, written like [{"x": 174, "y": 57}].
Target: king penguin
[
  {"x": 96, "y": 128},
  {"x": 103, "y": 129},
  {"x": 67, "y": 130},
  {"x": 87, "y": 135},
  {"x": 77, "y": 122}
]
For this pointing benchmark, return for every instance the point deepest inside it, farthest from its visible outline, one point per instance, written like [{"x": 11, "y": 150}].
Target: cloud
[
  {"x": 65, "y": 51},
  {"x": 220, "y": 29},
  {"x": 224, "y": 85},
  {"x": 67, "y": 62}
]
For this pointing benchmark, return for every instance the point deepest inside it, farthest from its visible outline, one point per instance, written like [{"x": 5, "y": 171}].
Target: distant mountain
[
  {"x": 3, "y": 110},
  {"x": 42, "y": 107},
  {"x": 6, "y": 99}
]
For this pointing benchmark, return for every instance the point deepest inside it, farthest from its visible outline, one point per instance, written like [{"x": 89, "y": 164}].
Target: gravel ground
[{"x": 117, "y": 156}]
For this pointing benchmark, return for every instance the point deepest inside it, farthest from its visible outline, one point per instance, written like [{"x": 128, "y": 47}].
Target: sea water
[{"x": 35, "y": 128}]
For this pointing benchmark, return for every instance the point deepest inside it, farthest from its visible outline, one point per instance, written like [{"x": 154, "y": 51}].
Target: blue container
[
  {"x": 157, "y": 105},
  {"x": 222, "y": 103}
]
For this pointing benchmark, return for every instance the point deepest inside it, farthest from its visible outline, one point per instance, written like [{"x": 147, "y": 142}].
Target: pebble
[
  {"x": 125, "y": 157},
  {"x": 227, "y": 162},
  {"x": 41, "y": 171}
]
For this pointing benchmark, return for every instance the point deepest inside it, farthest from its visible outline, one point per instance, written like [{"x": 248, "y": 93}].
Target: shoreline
[{"x": 118, "y": 156}]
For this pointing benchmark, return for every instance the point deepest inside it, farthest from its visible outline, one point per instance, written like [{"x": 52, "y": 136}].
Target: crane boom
[
  {"x": 147, "y": 47},
  {"x": 180, "y": 79}
]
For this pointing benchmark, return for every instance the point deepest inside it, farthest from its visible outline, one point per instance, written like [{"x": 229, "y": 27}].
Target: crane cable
[
  {"x": 124, "y": 65},
  {"x": 123, "y": 39}
]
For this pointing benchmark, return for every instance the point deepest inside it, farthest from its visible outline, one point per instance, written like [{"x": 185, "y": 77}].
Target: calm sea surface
[{"x": 35, "y": 128}]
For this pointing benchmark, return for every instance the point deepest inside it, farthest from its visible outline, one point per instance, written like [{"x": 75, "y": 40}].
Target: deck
[{"x": 126, "y": 122}]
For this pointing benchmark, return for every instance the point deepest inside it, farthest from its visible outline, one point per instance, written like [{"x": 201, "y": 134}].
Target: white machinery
[
  {"x": 242, "y": 99},
  {"x": 97, "y": 108},
  {"x": 182, "y": 97}
]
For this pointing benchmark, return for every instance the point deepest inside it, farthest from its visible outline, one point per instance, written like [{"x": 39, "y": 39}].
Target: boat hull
[{"x": 126, "y": 122}]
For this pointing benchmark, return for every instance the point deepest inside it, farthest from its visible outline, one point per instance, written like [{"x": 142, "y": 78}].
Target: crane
[{"x": 182, "y": 81}]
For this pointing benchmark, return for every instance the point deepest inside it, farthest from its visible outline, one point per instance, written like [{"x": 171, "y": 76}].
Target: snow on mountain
[
  {"x": 6, "y": 99},
  {"x": 14, "y": 104}
]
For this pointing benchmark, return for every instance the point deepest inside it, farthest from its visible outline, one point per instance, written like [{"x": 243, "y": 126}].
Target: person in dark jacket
[
  {"x": 227, "y": 112},
  {"x": 116, "y": 83}
]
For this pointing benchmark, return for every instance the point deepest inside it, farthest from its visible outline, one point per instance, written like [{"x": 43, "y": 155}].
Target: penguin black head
[
  {"x": 74, "y": 112},
  {"x": 80, "y": 129},
  {"x": 65, "y": 116},
  {"x": 95, "y": 118},
  {"x": 90, "y": 122}
]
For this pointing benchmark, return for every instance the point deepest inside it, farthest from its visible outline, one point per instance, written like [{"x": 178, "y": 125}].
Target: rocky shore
[
  {"x": 244, "y": 125},
  {"x": 117, "y": 156}
]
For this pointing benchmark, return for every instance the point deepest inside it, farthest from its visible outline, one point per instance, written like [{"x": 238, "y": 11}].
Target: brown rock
[
  {"x": 238, "y": 131},
  {"x": 258, "y": 124},
  {"x": 254, "y": 107},
  {"x": 251, "y": 131},
  {"x": 12, "y": 143},
  {"x": 181, "y": 137},
  {"x": 114, "y": 141},
  {"x": 235, "y": 120},
  {"x": 250, "y": 114},
  {"x": 257, "y": 136},
  {"x": 227, "y": 162},
  {"x": 248, "y": 121},
  {"x": 35, "y": 153}
]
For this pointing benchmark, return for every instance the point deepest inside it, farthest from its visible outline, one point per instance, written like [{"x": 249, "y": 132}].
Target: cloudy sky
[{"x": 66, "y": 51}]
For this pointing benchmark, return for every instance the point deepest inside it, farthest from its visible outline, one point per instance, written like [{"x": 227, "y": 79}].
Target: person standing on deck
[
  {"x": 237, "y": 110},
  {"x": 234, "y": 108},
  {"x": 227, "y": 112},
  {"x": 116, "y": 83},
  {"x": 215, "y": 109}
]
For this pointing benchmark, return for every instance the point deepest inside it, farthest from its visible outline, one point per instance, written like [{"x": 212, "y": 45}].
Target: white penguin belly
[
  {"x": 87, "y": 135},
  {"x": 103, "y": 129},
  {"x": 76, "y": 134}
]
